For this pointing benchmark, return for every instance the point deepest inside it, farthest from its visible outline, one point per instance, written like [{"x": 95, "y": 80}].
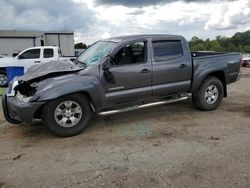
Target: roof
[
  {"x": 29, "y": 34},
  {"x": 135, "y": 37},
  {"x": 42, "y": 47}
]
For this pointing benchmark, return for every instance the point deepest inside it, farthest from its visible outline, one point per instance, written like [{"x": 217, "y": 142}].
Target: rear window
[
  {"x": 48, "y": 53},
  {"x": 167, "y": 50}
]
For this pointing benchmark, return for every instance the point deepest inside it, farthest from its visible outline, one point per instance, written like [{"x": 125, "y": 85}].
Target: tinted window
[
  {"x": 131, "y": 54},
  {"x": 167, "y": 50},
  {"x": 48, "y": 53},
  {"x": 30, "y": 54}
]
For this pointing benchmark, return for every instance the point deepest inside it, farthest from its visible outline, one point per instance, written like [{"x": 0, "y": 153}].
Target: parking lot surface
[{"x": 165, "y": 146}]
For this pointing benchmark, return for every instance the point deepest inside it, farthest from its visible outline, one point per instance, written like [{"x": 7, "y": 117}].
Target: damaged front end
[
  {"x": 25, "y": 87},
  {"x": 22, "y": 91},
  {"x": 21, "y": 101},
  {"x": 17, "y": 105}
]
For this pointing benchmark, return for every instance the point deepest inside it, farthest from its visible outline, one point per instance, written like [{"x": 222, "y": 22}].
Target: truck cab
[
  {"x": 27, "y": 58},
  {"x": 37, "y": 55}
]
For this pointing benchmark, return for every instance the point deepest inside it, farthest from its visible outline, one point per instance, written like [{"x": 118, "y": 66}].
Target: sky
[{"x": 92, "y": 20}]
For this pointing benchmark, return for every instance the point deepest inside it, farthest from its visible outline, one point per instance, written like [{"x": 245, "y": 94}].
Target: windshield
[{"x": 96, "y": 52}]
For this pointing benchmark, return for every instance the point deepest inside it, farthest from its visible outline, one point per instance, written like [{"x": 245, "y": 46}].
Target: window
[
  {"x": 30, "y": 54},
  {"x": 167, "y": 50},
  {"x": 131, "y": 54},
  {"x": 48, "y": 53},
  {"x": 96, "y": 52}
]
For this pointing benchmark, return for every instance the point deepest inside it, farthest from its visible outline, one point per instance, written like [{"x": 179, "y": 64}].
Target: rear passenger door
[{"x": 172, "y": 67}]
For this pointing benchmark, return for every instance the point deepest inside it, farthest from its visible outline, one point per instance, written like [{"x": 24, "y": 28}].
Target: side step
[{"x": 142, "y": 106}]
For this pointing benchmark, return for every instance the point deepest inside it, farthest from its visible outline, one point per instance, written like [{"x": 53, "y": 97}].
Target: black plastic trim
[{"x": 6, "y": 112}]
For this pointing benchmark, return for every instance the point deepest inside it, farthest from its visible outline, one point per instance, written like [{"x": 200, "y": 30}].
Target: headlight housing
[
  {"x": 21, "y": 98},
  {"x": 22, "y": 91},
  {"x": 11, "y": 92}
]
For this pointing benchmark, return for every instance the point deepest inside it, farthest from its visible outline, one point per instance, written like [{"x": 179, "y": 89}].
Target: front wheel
[
  {"x": 210, "y": 94},
  {"x": 68, "y": 115}
]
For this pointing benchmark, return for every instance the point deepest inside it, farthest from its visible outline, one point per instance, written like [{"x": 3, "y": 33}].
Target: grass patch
[{"x": 1, "y": 91}]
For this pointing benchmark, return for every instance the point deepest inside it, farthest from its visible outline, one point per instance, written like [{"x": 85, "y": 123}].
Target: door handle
[
  {"x": 145, "y": 71},
  {"x": 37, "y": 61},
  {"x": 182, "y": 66}
]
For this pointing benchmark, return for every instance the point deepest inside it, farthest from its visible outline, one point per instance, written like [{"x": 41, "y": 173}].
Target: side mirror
[
  {"x": 107, "y": 74},
  {"x": 106, "y": 66},
  {"x": 14, "y": 54}
]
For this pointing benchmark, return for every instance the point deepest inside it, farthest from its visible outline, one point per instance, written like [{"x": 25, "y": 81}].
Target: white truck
[{"x": 29, "y": 57}]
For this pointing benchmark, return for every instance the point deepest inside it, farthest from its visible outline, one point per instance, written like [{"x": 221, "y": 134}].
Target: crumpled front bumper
[{"x": 16, "y": 112}]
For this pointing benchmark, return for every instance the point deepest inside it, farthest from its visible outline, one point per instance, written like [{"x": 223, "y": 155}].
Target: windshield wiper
[{"x": 80, "y": 63}]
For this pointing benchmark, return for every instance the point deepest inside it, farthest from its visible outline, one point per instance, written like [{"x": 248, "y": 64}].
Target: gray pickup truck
[{"x": 119, "y": 74}]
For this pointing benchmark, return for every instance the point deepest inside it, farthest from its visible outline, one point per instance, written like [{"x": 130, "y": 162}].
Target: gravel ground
[{"x": 166, "y": 146}]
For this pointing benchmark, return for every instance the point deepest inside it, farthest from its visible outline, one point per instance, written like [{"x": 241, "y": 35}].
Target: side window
[
  {"x": 30, "y": 54},
  {"x": 131, "y": 54},
  {"x": 48, "y": 53},
  {"x": 167, "y": 50}
]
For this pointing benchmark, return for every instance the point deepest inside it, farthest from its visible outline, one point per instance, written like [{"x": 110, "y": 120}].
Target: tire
[
  {"x": 205, "y": 98},
  {"x": 63, "y": 120},
  {"x": 3, "y": 79}
]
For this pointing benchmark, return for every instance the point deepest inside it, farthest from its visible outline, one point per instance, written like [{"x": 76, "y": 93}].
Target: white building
[{"x": 12, "y": 40}]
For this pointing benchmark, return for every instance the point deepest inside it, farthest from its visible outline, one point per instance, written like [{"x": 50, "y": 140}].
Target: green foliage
[
  {"x": 1, "y": 91},
  {"x": 80, "y": 46},
  {"x": 246, "y": 49},
  {"x": 198, "y": 47},
  {"x": 240, "y": 42}
]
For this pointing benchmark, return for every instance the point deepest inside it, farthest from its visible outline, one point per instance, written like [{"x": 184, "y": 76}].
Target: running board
[{"x": 142, "y": 106}]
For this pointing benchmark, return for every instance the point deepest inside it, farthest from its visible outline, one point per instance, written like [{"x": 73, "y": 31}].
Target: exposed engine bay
[{"x": 24, "y": 87}]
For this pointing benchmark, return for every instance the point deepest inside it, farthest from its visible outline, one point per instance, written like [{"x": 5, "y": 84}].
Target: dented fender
[{"x": 81, "y": 84}]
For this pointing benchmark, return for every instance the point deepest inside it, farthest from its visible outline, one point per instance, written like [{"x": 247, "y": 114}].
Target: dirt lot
[{"x": 165, "y": 146}]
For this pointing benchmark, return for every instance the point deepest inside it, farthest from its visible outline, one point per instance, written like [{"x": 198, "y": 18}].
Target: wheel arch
[
  {"x": 221, "y": 76},
  {"x": 38, "y": 113},
  {"x": 218, "y": 74}
]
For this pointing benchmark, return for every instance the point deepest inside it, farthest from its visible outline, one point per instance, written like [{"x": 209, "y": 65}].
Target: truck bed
[
  {"x": 207, "y": 53},
  {"x": 209, "y": 61}
]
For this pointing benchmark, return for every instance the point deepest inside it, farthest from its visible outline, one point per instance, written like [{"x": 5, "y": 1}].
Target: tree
[
  {"x": 195, "y": 40},
  {"x": 240, "y": 42},
  {"x": 231, "y": 48},
  {"x": 213, "y": 45},
  {"x": 246, "y": 49},
  {"x": 198, "y": 47},
  {"x": 80, "y": 46}
]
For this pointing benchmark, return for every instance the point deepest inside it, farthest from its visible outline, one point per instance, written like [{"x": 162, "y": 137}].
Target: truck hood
[
  {"x": 6, "y": 61},
  {"x": 6, "y": 58},
  {"x": 52, "y": 68}
]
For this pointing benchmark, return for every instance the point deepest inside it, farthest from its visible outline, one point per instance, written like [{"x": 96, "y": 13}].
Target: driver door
[
  {"x": 131, "y": 70},
  {"x": 29, "y": 58}
]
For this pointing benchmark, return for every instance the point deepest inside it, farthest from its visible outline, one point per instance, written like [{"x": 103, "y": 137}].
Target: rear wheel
[
  {"x": 3, "y": 79},
  {"x": 68, "y": 115},
  {"x": 210, "y": 94}
]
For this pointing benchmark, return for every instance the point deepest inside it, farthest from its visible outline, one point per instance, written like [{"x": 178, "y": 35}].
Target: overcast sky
[{"x": 92, "y": 20}]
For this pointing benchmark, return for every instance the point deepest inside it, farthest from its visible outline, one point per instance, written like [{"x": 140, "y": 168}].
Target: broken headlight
[
  {"x": 24, "y": 91},
  {"x": 22, "y": 98}
]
